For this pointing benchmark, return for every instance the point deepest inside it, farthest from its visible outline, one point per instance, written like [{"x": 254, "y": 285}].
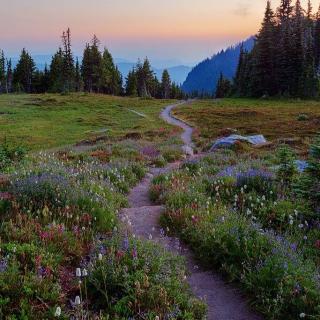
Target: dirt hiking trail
[{"x": 225, "y": 302}]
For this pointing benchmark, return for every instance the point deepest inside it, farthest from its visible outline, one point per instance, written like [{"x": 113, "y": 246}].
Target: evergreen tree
[
  {"x": 9, "y": 77},
  {"x": 112, "y": 79},
  {"x": 145, "y": 78},
  {"x": 309, "y": 81},
  {"x": 68, "y": 68},
  {"x": 92, "y": 67},
  {"x": 317, "y": 43},
  {"x": 78, "y": 78},
  {"x": 285, "y": 59},
  {"x": 131, "y": 84},
  {"x": 285, "y": 11},
  {"x": 242, "y": 80},
  {"x": 263, "y": 78},
  {"x": 165, "y": 85},
  {"x": 56, "y": 72},
  {"x": 24, "y": 73},
  {"x": 223, "y": 87},
  {"x": 3, "y": 82}
]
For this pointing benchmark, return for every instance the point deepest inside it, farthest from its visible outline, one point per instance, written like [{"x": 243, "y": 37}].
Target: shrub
[
  {"x": 308, "y": 187},
  {"x": 287, "y": 168},
  {"x": 10, "y": 155},
  {"x": 303, "y": 117}
]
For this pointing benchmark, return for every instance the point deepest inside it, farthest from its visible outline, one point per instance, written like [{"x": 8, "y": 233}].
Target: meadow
[
  {"x": 245, "y": 212},
  {"x": 294, "y": 121},
  {"x": 51, "y": 120},
  {"x": 64, "y": 253},
  {"x": 252, "y": 213}
]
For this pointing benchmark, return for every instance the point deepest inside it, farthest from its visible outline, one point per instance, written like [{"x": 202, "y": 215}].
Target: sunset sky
[{"x": 182, "y": 30}]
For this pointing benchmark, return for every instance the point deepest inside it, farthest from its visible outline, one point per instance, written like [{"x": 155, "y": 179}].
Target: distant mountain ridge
[
  {"x": 178, "y": 73},
  {"x": 203, "y": 77}
]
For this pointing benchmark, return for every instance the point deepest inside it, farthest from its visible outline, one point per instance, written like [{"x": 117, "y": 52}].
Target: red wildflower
[
  {"x": 6, "y": 196},
  {"x": 194, "y": 205},
  {"x": 47, "y": 271},
  {"x": 120, "y": 254},
  {"x": 317, "y": 244},
  {"x": 38, "y": 261}
]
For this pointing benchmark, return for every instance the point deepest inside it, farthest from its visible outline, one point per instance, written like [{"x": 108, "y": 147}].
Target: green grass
[
  {"x": 276, "y": 119},
  {"x": 51, "y": 120}
]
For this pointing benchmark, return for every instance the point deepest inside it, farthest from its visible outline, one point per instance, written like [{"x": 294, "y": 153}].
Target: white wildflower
[
  {"x": 58, "y": 312},
  {"x": 78, "y": 272},
  {"x": 77, "y": 301}
]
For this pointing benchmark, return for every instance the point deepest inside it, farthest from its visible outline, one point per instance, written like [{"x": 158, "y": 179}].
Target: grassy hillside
[
  {"x": 279, "y": 120},
  {"x": 46, "y": 121}
]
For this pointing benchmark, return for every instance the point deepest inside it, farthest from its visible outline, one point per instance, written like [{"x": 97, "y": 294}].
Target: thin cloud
[{"x": 242, "y": 9}]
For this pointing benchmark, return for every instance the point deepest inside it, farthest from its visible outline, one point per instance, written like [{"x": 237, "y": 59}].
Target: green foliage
[
  {"x": 10, "y": 155},
  {"x": 24, "y": 73},
  {"x": 235, "y": 221},
  {"x": 287, "y": 168},
  {"x": 135, "y": 277},
  {"x": 223, "y": 87},
  {"x": 284, "y": 60},
  {"x": 309, "y": 184}
]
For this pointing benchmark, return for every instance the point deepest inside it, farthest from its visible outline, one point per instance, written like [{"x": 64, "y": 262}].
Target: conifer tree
[
  {"x": 9, "y": 77},
  {"x": 3, "y": 82},
  {"x": 165, "y": 85},
  {"x": 131, "y": 84},
  {"x": 285, "y": 59},
  {"x": 112, "y": 78},
  {"x": 92, "y": 67},
  {"x": 223, "y": 87},
  {"x": 317, "y": 43},
  {"x": 263, "y": 77},
  {"x": 145, "y": 78},
  {"x": 56, "y": 72},
  {"x": 68, "y": 68},
  {"x": 78, "y": 78},
  {"x": 242, "y": 80},
  {"x": 24, "y": 73}
]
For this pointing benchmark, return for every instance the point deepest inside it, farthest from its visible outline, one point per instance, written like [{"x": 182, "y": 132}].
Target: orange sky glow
[{"x": 183, "y": 29}]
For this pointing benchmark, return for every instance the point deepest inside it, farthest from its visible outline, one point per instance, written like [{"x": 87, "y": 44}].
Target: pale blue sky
[{"x": 187, "y": 30}]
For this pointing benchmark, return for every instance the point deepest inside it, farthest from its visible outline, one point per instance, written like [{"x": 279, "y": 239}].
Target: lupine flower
[
  {"x": 100, "y": 257},
  {"x": 78, "y": 272},
  {"x": 77, "y": 301},
  {"x": 84, "y": 272},
  {"x": 3, "y": 265}
]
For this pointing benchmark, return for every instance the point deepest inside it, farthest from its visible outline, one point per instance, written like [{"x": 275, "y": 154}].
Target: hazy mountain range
[
  {"x": 178, "y": 73},
  {"x": 203, "y": 77}
]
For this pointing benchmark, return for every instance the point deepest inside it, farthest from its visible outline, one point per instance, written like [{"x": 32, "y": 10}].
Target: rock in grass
[
  {"x": 187, "y": 150},
  {"x": 234, "y": 138}
]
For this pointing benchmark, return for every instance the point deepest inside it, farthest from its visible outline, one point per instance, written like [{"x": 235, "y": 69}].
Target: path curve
[
  {"x": 167, "y": 116},
  {"x": 225, "y": 302}
]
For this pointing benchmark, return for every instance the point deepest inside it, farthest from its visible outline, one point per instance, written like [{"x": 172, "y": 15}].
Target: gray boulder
[{"x": 232, "y": 139}]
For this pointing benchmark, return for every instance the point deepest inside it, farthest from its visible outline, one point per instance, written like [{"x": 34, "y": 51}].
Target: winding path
[{"x": 224, "y": 301}]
